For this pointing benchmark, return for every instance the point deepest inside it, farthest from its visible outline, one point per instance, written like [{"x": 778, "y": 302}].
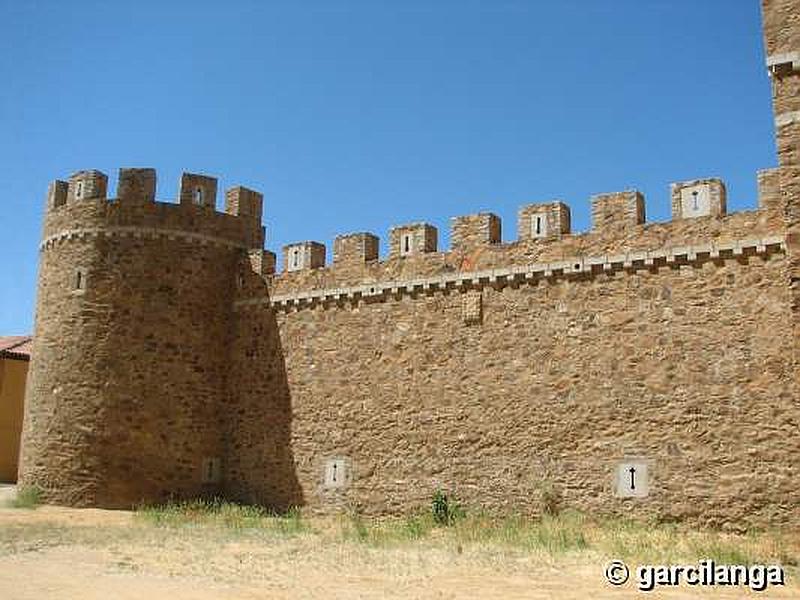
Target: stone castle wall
[
  {"x": 667, "y": 343},
  {"x": 171, "y": 359}
]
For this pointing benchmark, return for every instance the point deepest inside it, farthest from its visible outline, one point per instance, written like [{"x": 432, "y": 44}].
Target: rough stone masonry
[{"x": 646, "y": 369}]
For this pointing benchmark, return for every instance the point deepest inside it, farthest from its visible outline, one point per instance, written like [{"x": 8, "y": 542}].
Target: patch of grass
[
  {"x": 445, "y": 510},
  {"x": 416, "y": 527},
  {"x": 354, "y": 527},
  {"x": 291, "y": 522},
  {"x": 220, "y": 514},
  {"x": 678, "y": 543},
  {"x": 551, "y": 534},
  {"x": 387, "y": 531},
  {"x": 27, "y": 497},
  {"x": 214, "y": 529},
  {"x": 628, "y": 539},
  {"x": 554, "y": 535},
  {"x": 721, "y": 551}
]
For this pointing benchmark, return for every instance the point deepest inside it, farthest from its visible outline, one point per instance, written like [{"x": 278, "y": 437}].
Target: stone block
[
  {"x": 471, "y": 231},
  {"x": 769, "y": 188},
  {"x": 87, "y": 185},
  {"x": 244, "y": 202},
  {"x": 136, "y": 185},
  {"x": 262, "y": 262},
  {"x": 412, "y": 239},
  {"x": 547, "y": 220},
  {"x": 336, "y": 473},
  {"x": 617, "y": 210},
  {"x": 472, "y": 307},
  {"x": 631, "y": 479},
  {"x": 302, "y": 256},
  {"x": 698, "y": 198},
  {"x": 355, "y": 248},
  {"x": 198, "y": 190},
  {"x": 57, "y": 194}
]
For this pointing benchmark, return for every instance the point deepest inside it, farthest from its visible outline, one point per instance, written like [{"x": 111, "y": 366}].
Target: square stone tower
[{"x": 782, "y": 43}]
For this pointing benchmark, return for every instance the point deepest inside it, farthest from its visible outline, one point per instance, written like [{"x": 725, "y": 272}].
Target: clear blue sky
[{"x": 359, "y": 115}]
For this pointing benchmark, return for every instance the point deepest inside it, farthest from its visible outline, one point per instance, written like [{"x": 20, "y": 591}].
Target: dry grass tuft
[
  {"x": 26, "y": 497},
  {"x": 219, "y": 514}
]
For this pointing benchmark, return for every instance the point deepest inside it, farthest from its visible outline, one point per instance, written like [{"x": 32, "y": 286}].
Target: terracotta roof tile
[{"x": 16, "y": 346}]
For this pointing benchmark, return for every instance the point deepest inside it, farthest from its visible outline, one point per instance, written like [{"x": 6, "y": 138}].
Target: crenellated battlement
[
  {"x": 698, "y": 198},
  {"x": 86, "y": 185},
  {"x": 137, "y": 185},
  {"x": 576, "y": 267},
  {"x": 79, "y": 207},
  {"x": 546, "y": 220},
  {"x": 699, "y": 218},
  {"x": 413, "y": 239}
]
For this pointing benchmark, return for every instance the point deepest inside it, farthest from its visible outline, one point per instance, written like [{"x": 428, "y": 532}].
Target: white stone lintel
[{"x": 783, "y": 58}]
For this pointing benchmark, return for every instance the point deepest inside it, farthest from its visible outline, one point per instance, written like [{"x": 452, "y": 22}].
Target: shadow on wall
[{"x": 260, "y": 465}]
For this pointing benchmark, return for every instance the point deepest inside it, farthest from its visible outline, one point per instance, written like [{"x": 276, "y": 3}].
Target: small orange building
[{"x": 15, "y": 352}]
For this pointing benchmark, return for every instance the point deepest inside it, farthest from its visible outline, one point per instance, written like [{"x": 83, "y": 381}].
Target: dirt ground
[{"x": 92, "y": 554}]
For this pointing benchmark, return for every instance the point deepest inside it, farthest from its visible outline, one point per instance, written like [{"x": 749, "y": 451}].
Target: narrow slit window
[
  {"x": 406, "y": 244},
  {"x": 296, "y": 259},
  {"x": 539, "y": 226},
  {"x": 211, "y": 470},
  {"x": 79, "y": 281},
  {"x": 79, "y": 190},
  {"x": 197, "y": 196}
]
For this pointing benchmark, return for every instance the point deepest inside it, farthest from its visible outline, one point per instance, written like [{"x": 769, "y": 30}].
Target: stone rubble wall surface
[{"x": 685, "y": 366}]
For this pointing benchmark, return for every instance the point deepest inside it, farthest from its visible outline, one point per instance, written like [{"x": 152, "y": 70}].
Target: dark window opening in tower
[
  {"x": 80, "y": 280},
  {"x": 405, "y": 244}
]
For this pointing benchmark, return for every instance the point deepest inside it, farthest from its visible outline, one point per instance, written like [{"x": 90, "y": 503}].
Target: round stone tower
[{"x": 128, "y": 376}]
